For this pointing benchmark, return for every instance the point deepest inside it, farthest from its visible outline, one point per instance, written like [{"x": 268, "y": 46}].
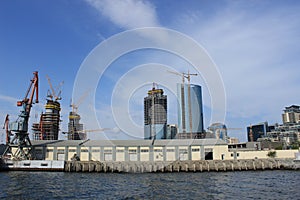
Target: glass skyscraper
[{"x": 190, "y": 112}]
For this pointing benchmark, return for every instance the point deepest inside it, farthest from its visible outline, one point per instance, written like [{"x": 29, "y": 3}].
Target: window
[
  {"x": 231, "y": 154},
  {"x": 170, "y": 150},
  {"x": 84, "y": 150},
  {"x": 157, "y": 150},
  {"x": 107, "y": 151},
  {"x": 49, "y": 150},
  {"x": 237, "y": 154},
  {"x": 183, "y": 151},
  {"x": 132, "y": 150},
  {"x": 72, "y": 150},
  {"x": 96, "y": 150},
  {"x": 196, "y": 150},
  {"x": 144, "y": 150},
  {"x": 60, "y": 151},
  {"x": 120, "y": 150}
]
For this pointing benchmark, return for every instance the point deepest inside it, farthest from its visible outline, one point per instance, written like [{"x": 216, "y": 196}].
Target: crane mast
[{"x": 20, "y": 146}]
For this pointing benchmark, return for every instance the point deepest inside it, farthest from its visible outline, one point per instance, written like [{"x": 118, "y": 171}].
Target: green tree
[{"x": 271, "y": 154}]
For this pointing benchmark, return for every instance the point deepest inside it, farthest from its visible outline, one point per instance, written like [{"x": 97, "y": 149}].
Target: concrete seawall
[{"x": 181, "y": 166}]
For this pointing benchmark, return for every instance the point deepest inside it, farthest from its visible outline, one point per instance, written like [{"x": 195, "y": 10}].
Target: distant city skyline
[{"x": 254, "y": 45}]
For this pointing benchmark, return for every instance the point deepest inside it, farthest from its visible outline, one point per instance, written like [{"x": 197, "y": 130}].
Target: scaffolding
[{"x": 48, "y": 127}]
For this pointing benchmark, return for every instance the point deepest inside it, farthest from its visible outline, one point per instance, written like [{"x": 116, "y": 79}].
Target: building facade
[
  {"x": 190, "y": 111},
  {"x": 146, "y": 151},
  {"x": 256, "y": 131},
  {"x": 75, "y": 128},
  {"x": 291, "y": 115},
  {"x": 218, "y": 130},
  {"x": 155, "y": 114}
]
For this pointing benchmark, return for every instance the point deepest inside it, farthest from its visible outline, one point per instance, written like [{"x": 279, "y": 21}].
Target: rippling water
[{"x": 207, "y": 185}]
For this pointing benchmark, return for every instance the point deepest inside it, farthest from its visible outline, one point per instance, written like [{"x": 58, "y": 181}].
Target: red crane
[
  {"x": 5, "y": 126},
  {"x": 21, "y": 139}
]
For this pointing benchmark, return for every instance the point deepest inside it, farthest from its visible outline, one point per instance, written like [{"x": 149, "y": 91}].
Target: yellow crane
[
  {"x": 52, "y": 94},
  {"x": 79, "y": 101}
]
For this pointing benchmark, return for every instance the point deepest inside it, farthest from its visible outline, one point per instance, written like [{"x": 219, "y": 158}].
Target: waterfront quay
[{"x": 181, "y": 166}]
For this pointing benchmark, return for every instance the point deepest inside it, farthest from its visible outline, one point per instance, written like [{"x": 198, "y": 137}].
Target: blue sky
[{"x": 254, "y": 44}]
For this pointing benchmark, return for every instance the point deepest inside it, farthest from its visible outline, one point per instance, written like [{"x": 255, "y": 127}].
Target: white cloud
[
  {"x": 127, "y": 14},
  {"x": 255, "y": 53}
]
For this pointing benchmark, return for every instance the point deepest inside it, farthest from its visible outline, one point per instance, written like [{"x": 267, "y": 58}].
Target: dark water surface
[{"x": 207, "y": 185}]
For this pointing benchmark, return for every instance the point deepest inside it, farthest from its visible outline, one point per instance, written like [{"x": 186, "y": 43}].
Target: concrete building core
[
  {"x": 190, "y": 111},
  {"x": 155, "y": 114}
]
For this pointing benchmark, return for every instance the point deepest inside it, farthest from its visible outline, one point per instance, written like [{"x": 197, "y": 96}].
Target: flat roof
[{"x": 127, "y": 143}]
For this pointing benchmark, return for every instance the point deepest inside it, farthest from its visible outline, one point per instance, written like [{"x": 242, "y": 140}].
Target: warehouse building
[{"x": 132, "y": 150}]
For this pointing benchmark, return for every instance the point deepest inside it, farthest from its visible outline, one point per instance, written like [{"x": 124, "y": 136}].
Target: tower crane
[
  {"x": 19, "y": 127},
  {"x": 79, "y": 101},
  {"x": 52, "y": 94},
  {"x": 188, "y": 77}
]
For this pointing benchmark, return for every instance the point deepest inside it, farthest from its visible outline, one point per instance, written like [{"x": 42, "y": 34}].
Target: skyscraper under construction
[
  {"x": 75, "y": 128},
  {"x": 155, "y": 114},
  {"x": 48, "y": 127}
]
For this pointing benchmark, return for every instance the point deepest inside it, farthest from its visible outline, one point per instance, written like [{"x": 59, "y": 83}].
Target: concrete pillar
[
  {"x": 90, "y": 153},
  {"x": 114, "y": 151},
  {"x": 66, "y": 152},
  {"x": 202, "y": 153},
  {"x": 138, "y": 153},
  {"x": 151, "y": 154},
  {"x": 78, "y": 151},
  {"x": 176, "y": 153},
  {"x": 101, "y": 153},
  {"x": 55, "y": 153},
  {"x": 126, "y": 154},
  {"x": 189, "y": 152},
  {"x": 165, "y": 153}
]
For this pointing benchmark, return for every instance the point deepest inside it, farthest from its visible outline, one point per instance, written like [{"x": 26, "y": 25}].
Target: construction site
[{"x": 169, "y": 142}]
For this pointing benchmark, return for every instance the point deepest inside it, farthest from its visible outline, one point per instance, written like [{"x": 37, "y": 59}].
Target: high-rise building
[
  {"x": 171, "y": 131},
  {"x": 155, "y": 114},
  {"x": 256, "y": 131},
  {"x": 218, "y": 131},
  {"x": 75, "y": 128},
  {"x": 291, "y": 115},
  {"x": 190, "y": 112},
  {"x": 48, "y": 127}
]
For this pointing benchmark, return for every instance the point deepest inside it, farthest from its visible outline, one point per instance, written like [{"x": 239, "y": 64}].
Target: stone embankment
[{"x": 181, "y": 166}]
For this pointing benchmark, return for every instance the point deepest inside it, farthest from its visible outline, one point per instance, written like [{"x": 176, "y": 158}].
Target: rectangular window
[
  {"x": 231, "y": 154},
  {"x": 120, "y": 150},
  {"x": 196, "y": 150},
  {"x": 237, "y": 154},
  {"x": 182, "y": 150},
  {"x": 107, "y": 151},
  {"x": 132, "y": 150},
  {"x": 72, "y": 150},
  {"x": 170, "y": 150},
  {"x": 144, "y": 150},
  {"x": 49, "y": 150},
  {"x": 84, "y": 150},
  {"x": 60, "y": 151},
  {"x": 157, "y": 150},
  {"x": 96, "y": 150}
]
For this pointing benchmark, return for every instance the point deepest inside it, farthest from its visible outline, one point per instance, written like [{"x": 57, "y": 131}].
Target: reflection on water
[{"x": 208, "y": 185}]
